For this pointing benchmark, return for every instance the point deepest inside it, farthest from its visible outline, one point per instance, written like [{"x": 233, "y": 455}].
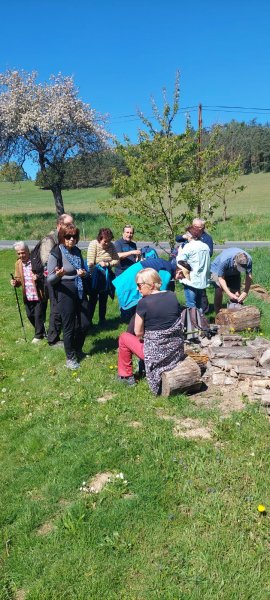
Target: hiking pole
[{"x": 19, "y": 308}]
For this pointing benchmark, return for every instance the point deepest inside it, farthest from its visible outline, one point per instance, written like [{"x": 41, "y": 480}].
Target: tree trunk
[
  {"x": 239, "y": 320},
  {"x": 58, "y": 199},
  {"x": 186, "y": 376}
]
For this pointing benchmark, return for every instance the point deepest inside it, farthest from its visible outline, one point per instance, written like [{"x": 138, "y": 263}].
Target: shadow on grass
[{"x": 105, "y": 344}]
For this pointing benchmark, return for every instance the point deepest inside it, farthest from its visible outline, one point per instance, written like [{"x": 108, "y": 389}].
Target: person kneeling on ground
[
  {"x": 158, "y": 338},
  {"x": 67, "y": 274},
  {"x": 33, "y": 293}
]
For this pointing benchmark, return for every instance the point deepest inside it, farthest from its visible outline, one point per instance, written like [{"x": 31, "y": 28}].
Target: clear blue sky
[{"x": 121, "y": 52}]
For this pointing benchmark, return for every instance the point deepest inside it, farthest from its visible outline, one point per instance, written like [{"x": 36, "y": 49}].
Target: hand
[
  {"x": 59, "y": 272},
  {"x": 81, "y": 272},
  {"x": 34, "y": 276},
  {"x": 234, "y": 296},
  {"x": 136, "y": 252},
  {"x": 242, "y": 297},
  {"x": 13, "y": 282}
]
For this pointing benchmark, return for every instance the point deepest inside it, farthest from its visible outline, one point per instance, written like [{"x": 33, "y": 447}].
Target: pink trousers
[{"x": 128, "y": 345}]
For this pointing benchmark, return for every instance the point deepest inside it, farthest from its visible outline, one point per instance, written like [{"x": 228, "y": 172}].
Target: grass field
[
  {"x": 27, "y": 212},
  {"x": 181, "y": 524}
]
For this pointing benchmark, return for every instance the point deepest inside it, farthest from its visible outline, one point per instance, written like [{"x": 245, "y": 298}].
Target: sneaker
[
  {"x": 72, "y": 364},
  {"x": 58, "y": 344},
  {"x": 127, "y": 380},
  {"x": 36, "y": 340}
]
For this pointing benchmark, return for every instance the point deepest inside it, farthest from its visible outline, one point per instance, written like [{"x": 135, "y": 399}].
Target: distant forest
[{"x": 249, "y": 141}]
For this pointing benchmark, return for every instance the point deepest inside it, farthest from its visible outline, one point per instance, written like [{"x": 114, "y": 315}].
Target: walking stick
[{"x": 19, "y": 308}]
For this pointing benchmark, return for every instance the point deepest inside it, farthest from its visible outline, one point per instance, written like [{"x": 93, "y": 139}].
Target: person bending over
[{"x": 226, "y": 271}]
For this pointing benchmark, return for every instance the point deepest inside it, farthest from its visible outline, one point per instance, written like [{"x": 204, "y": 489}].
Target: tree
[
  {"x": 49, "y": 123},
  {"x": 168, "y": 176},
  {"x": 12, "y": 172}
]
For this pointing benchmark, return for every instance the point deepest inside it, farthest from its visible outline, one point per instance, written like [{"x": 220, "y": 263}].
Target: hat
[{"x": 241, "y": 262}]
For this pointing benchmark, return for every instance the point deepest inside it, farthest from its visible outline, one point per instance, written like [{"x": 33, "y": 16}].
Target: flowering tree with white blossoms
[{"x": 47, "y": 122}]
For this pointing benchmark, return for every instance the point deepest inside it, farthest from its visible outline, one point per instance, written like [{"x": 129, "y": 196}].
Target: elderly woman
[
  {"x": 101, "y": 252},
  {"x": 33, "y": 292},
  {"x": 158, "y": 338},
  {"x": 67, "y": 274},
  {"x": 197, "y": 255}
]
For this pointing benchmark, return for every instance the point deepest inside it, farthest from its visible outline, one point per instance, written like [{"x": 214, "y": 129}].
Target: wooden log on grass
[
  {"x": 186, "y": 376},
  {"x": 238, "y": 320}
]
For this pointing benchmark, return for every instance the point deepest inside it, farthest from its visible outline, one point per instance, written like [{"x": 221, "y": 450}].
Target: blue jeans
[{"x": 193, "y": 297}]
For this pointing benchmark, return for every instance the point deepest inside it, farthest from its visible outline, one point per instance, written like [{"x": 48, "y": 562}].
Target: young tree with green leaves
[{"x": 169, "y": 180}]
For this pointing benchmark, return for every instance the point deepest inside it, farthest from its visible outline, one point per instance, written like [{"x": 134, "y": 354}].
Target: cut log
[
  {"x": 182, "y": 378},
  {"x": 238, "y": 352},
  {"x": 238, "y": 320}
]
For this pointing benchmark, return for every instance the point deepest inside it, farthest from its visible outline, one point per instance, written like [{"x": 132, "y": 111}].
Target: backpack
[
  {"x": 195, "y": 324},
  {"x": 148, "y": 252},
  {"x": 35, "y": 257}
]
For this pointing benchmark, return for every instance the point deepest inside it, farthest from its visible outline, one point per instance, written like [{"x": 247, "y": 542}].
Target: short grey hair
[
  {"x": 61, "y": 218},
  {"x": 199, "y": 223},
  {"x": 128, "y": 227},
  {"x": 21, "y": 246}
]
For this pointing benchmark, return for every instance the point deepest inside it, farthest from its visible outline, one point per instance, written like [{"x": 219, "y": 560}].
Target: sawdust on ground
[{"x": 187, "y": 428}]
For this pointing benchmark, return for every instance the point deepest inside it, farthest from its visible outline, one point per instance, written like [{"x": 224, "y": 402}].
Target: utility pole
[{"x": 199, "y": 205}]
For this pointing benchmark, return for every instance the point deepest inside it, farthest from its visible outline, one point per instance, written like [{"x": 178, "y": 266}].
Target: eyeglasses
[
  {"x": 139, "y": 285},
  {"x": 70, "y": 237}
]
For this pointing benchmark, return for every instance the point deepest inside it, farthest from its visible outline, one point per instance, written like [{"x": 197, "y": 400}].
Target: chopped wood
[
  {"x": 239, "y": 320},
  {"x": 182, "y": 378},
  {"x": 231, "y": 353}
]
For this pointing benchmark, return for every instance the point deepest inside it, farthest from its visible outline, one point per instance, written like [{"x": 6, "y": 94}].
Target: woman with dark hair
[
  {"x": 102, "y": 253},
  {"x": 67, "y": 274}
]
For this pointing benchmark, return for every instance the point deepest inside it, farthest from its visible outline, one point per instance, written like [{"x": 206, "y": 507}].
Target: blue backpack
[{"x": 148, "y": 252}]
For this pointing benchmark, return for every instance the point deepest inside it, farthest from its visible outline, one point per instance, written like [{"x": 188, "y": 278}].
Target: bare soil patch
[
  {"x": 46, "y": 528},
  {"x": 97, "y": 483},
  {"x": 135, "y": 424},
  {"x": 20, "y": 594},
  {"x": 187, "y": 428},
  {"x": 107, "y": 396},
  {"x": 224, "y": 398},
  {"x": 260, "y": 292}
]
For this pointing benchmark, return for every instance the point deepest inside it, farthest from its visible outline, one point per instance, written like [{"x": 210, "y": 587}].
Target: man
[
  {"x": 126, "y": 250},
  {"x": 226, "y": 271},
  {"x": 206, "y": 238},
  {"x": 47, "y": 244},
  {"x": 128, "y": 255},
  {"x": 33, "y": 295}
]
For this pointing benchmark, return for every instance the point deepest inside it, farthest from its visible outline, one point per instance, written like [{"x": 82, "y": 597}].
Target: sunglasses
[
  {"x": 70, "y": 237},
  {"x": 139, "y": 285}
]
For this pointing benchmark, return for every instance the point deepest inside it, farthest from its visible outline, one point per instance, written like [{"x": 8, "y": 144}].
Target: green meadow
[
  {"x": 26, "y": 212},
  {"x": 179, "y": 519}
]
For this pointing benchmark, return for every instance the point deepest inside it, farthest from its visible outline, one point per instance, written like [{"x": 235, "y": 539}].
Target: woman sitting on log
[{"x": 158, "y": 338}]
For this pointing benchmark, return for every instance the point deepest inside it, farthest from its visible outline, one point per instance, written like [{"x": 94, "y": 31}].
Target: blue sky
[{"x": 122, "y": 52}]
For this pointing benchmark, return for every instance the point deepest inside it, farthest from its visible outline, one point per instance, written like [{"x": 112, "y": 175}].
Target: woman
[
  {"x": 197, "y": 254},
  {"x": 67, "y": 274},
  {"x": 101, "y": 252},
  {"x": 158, "y": 338},
  {"x": 32, "y": 290}
]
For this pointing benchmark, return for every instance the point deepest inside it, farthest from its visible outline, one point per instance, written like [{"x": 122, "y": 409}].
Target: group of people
[{"x": 145, "y": 290}]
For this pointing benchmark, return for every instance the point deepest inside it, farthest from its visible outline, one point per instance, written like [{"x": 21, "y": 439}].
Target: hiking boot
[
  {"x": 127, "y": 380},
  {"x": 72, "y": 364},
  {"x": 36, "y": 340}
]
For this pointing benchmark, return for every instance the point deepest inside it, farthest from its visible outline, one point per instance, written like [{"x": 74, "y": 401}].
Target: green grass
[
  {"x": 189, "y": 528},
  {"x": 28, "y": 212}
]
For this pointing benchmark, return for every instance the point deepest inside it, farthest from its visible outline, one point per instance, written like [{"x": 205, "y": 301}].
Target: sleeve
[
  {"x": 46, "y": 246},
  {"x": 221, "y": 268},
  {"x": 115, "y": 258},
  {"x": 141, "y": 308},
  {"x": 92, "y": 253},
  {"x": 17, "y": 274},
  {"x": 249, "y": 267},
  {"x": 210, "y": 243},
  {"x": 52, "y": 264}
]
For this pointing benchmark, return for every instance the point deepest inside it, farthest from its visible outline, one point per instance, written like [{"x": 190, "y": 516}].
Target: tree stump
[
  {"x": 186, "y": 376},
  {"x": 239, "y": 320}
]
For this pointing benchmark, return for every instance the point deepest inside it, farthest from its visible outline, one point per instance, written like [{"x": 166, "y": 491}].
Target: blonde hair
[{"x": 149, "y": 276}]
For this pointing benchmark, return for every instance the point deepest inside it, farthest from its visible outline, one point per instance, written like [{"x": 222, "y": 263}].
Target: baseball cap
[{"x": 241, "y": 262}]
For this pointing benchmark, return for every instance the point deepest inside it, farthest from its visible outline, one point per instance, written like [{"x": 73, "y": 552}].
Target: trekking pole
[{"x": 19, "y": 308}]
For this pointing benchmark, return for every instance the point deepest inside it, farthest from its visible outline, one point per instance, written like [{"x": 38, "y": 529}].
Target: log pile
[
  {"x": 246, "y": 317},
  {"x": 234, "y": 360}
]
